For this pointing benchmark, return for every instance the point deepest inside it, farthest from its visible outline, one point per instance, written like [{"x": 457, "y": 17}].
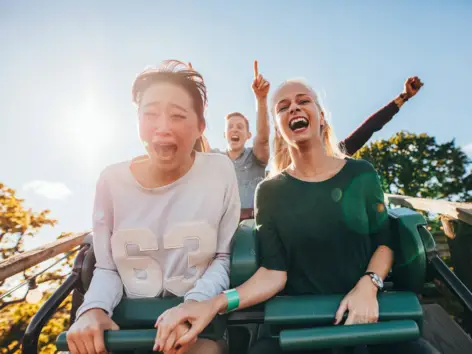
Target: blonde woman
[{"x": 321, "y": 223}]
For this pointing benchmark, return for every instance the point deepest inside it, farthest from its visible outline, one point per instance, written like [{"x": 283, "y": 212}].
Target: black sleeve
[
  {"x": 272, "y": 251},
  {"x": 364, "y": 132}
]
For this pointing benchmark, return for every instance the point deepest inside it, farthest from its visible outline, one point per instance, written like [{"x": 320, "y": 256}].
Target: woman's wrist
[
  {"x": 365, "y": 283},
  {"x": 220, "y": 303}
]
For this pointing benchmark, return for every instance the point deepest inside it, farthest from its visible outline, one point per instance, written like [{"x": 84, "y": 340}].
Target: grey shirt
[
  {"x": 173, "y": 240},
  {"x": 249, "y": 172}
]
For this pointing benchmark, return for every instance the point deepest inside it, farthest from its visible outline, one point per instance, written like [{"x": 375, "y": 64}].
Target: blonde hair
[{"x": 282, "y": 159}]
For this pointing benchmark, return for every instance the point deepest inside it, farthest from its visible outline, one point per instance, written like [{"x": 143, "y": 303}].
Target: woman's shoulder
[
  {"x": 359, "y": 166},
  {"x": 271, "y": 184},
  {"x": 217, "y": 169},
  {"x": 114, "y": 171},
  {"x": 215, "y": 160}
]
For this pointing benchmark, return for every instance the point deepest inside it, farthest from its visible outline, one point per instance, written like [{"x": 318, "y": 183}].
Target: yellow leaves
[
  {"x": 16, "y": 221},
  {"x": 15, "y": 318}
]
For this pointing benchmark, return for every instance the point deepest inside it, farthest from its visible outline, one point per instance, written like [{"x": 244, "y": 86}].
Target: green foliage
[
  {"x": 416, "y": 165},
  {"x": 16, "y": 223}
]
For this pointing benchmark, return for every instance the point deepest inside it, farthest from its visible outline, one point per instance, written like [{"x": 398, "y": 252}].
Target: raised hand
[
  {"x": 412, "y": 86},
  {"x": 260, "y": 86}
]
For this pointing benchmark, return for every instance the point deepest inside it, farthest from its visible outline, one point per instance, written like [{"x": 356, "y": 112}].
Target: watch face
[{"x": 377, "y": 280}]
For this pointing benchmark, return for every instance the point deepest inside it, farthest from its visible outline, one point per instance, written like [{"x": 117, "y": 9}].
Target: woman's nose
[{"x": 294, "y": 108}]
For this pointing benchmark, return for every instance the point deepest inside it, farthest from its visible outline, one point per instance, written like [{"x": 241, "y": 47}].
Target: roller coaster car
[{"x": 302, "y": 322}]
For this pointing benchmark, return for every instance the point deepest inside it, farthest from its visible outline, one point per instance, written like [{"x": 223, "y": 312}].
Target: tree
[
  {"x": 418, "y": 166},
  {"x": 16, "y": 223}
]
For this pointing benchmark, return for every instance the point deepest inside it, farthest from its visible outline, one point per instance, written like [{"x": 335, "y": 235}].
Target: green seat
[
  {"x": 244, "y": 255},
  {"x": 411, "y": 240},
  {"x": 312, "y": 316},
  {"x": 343, "y": 336},
  {"x": 314, "y": 310}
]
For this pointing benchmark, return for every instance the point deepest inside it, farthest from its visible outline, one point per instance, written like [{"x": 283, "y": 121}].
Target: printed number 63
[{"x": 146, "y": 240}]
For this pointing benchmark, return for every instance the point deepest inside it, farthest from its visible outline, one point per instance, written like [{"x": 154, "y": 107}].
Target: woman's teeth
[{"x": 298, "y": 123}]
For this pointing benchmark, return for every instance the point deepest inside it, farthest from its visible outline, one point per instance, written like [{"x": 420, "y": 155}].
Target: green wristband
[{"x": 233, "y": 299}]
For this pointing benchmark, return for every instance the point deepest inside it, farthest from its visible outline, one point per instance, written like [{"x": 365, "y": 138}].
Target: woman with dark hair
[{"x": 157, "y": 232}]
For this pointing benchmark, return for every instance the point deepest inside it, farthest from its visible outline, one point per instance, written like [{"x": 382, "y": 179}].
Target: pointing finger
[{"x": 256, "y": 69}]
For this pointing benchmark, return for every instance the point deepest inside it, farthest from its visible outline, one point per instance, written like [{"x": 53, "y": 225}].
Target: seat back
[
  {"x": 410, "y": 258},
  {"x": 244, "y": 254}
]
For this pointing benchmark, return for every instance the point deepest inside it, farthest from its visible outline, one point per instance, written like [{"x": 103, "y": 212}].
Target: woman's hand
[
  {"x": 361, "y": 302},
  {"x": 198, "y": 314},
  {"x": 170, "y": 347},
  {"x": 86, "y": 335}
]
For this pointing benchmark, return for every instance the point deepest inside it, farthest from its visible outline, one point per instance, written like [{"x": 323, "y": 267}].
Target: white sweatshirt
[{"x": 168, "y": 241}]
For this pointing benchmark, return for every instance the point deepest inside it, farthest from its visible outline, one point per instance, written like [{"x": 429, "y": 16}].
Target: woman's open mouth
[
  {"x": 298, "y": 124},
  {"x": 165, "y": 151}
]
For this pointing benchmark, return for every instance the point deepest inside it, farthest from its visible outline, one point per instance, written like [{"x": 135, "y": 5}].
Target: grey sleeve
[
  {"x": 214, "y": 280},
  {"x": 216, "y": 277},
  {"x": 106, "y": 288}
]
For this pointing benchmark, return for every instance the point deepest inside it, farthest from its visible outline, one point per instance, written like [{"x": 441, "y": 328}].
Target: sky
[{"x": 66, "y": 70}]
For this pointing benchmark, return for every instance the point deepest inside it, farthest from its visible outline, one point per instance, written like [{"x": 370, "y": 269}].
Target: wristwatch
[
  {"x": 404, "y": 96},
  {"x": 378, "y": 282}
]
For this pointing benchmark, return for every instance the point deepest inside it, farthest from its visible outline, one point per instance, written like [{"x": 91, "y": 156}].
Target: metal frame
[
  {"x": 30, "y": 339},
  {"x": 444, "y": 273}
]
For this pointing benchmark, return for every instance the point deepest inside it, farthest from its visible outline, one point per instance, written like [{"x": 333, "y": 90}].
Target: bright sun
[{"x": 89, "y": 133}]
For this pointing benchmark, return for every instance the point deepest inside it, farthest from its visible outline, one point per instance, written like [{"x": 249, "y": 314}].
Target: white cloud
[
  {"x": 468, "y": 149},
  {"x": 50, "y": 190}
]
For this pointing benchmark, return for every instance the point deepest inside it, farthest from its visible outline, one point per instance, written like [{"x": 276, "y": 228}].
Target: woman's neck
[
  {"x": 151, "y": 176},
  {"x": 312, "y": 163}
]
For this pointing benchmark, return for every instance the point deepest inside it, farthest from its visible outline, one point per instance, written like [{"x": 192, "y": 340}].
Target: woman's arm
[
  {"x": 376, "y": 121},
  {"x": 216, "y": 277},
  {"x": 263, "y": 285},
  {"x": 268, "y": 280},
  {"x": 94, "y": 316},
  {"x": 105, "y": 275},
  {"x": 361, "y": 301}
]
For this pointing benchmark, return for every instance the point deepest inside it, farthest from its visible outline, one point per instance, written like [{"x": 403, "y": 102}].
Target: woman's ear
[{"x": 322, "y": 119}]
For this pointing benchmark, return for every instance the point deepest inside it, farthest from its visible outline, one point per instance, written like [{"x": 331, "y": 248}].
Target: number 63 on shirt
[{"x": 145, "y": 240}]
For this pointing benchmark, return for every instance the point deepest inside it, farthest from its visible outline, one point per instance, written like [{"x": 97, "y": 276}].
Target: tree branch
[{"x": 8, "y": 303}]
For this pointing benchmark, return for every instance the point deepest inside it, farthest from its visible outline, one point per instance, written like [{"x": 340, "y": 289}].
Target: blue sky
[{"x": 66, "y": 69}]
